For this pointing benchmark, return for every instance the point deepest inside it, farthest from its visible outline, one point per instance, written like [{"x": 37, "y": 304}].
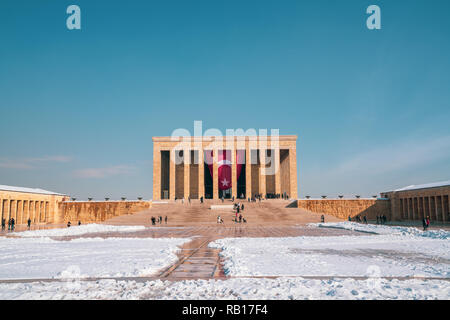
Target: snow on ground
[
  {"x": 245, "y": 288},
  {"x": 39, "y": 258},
  {"x": 372, "y": 255},
  {"x": 77, "y": 230},
  {"x": 384, "y": 229}
]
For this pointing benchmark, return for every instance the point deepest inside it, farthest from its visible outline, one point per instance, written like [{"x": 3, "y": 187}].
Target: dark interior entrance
[{"x": 208, "y": 182}]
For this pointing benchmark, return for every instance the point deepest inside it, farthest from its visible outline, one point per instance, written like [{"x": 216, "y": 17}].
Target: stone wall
[
  {"x": 97, "y": 211},
  {"x": 342, "y": 208}
]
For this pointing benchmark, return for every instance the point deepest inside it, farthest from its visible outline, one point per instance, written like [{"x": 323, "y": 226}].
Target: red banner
[{"x": 224, "y": 166}]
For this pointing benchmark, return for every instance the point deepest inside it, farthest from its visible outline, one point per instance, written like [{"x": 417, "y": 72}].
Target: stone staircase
[{"x": 265, "y": 213}]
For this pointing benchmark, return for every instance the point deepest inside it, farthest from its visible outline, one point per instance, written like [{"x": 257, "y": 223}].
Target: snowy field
[
  {"x": 43, "y": 258},
  {"x": 386, "y": 255},
  {"x": 418, "y": 261},
  {"x": 247, "y": 288},
  {"x": 77, "y": 230},
  {"x": 384, "y": 229}
]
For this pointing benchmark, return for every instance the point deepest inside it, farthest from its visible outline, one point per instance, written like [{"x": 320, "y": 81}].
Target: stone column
[
  {"x": 19, "y": 211},
  {"x": 42, "y": 211},
  {"x": 46, "y": 212},
  {"x": 233, "y": 173},
  {"x": 172, "y": 175},
  {"x": 436, "y": 208},
  {"x": 187, "y": 166},
  {"x": 248, "y": 173},
  {"x": 6, "y": 210},
  {"x": 26, "y": 210},
  {"x": 293, "y": 173},
  {"x": 14, "y": 209},
  {"x": 201, "y": 174},
  {"x": 409, "y": 208},
  {"x": 215, "y": 175},
  {"x": 429, "y": 208},
  {"x": 262, "y": 172},
  {"x": 156, "y": 173},
  {"x": 276, "y": 158},
  {"x": 444, "y": 213},
  {"x": 36, "y": 211}
]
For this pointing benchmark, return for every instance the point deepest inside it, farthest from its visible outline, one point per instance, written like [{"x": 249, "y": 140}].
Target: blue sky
[{"x": 78, "y": 108}]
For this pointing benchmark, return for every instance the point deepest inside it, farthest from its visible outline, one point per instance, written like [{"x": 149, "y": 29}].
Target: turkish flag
[{"x": 224, "y": 168}]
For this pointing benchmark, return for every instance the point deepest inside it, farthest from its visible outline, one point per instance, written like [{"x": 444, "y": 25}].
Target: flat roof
[
  {"x": 224, "y": 138},
  {"x": 29, "y": 190},
  {"x": 425, "y": 186}
]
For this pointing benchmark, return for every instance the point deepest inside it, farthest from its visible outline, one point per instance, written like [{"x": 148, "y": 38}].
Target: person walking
[
  {"x": 79, "y": 223},
  {"x": 13, "y": 222},
  {"x": 428, "y": 221},
  {"x": 365, "y": 219},
  {"x": 29, "y": 223},
  {"x": 322, "y": 218},
  {"x": 3, "y": 224},
  {"x": 424, "y": 224},
  {"x": 68, "y": 224},
  {"x": 165, "y": 219},
  {"x": 9, "y": 224}
]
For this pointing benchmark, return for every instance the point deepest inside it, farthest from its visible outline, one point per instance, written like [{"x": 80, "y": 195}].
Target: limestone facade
[
  {"x": 343, "y": 208},
  {"x": 417, "y": 203},
  {"x": 23, "y": 203},
  {"x": 180, "y": 170},
  {"x": 97, "y": 211}
]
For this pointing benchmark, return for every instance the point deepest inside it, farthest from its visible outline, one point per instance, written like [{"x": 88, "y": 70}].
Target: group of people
[
  {"x": 358, "y": 219},
  {"x": 69, "y": 224},
  {"x": 12, "y": 224},
  {"x": 283, "y": 196},
  {"x": 158, "y": 220},
  {"x": 238, "y": 207},
  {"x": 189, "y": 199},
  {"x": 381, "y": 219}
]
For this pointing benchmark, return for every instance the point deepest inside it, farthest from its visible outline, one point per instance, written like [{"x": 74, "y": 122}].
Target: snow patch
[
  {"x": 77, "y": 230},
  {"x": 233, "y": 289},
  {"x": 43, "y": 258},
  {"x": 383, "y": 229}
]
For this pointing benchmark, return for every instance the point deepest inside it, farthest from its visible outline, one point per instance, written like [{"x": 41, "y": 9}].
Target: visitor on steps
[
  {"x": 165, "y": 219},
  {"x": 29, "y": 223}
]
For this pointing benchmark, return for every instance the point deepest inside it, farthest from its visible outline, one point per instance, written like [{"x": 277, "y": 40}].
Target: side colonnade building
[
  {"x": 20, "y": 204},
  {"x": 416, "y": 202},
  {"x": 190, "y": 167}
]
